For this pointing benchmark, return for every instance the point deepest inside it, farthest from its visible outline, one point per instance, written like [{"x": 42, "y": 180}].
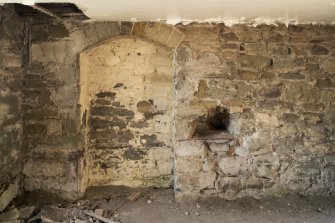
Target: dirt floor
[{"x": 158, "y": 206}]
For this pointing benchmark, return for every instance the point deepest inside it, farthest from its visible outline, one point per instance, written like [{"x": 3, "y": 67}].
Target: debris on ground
[
  {"x": 117, "y": 207},
  {"x": 134, "y": 196}
]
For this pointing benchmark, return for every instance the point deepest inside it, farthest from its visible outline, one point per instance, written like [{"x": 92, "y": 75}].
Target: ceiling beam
[{"x": 45, "y": 11}]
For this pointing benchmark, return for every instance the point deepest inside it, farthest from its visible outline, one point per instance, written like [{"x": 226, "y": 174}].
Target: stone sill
[{"x": 214, "y": 136}]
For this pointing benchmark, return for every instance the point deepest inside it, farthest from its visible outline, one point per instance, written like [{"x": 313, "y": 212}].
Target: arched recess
[{"x": 126, "y": 98}]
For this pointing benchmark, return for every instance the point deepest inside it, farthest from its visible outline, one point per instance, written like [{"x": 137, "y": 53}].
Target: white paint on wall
[{"x": 300, "y": 11}]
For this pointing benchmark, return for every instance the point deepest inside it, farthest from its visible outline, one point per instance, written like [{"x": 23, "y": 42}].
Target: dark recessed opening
[{"x": 216, "y": 121}]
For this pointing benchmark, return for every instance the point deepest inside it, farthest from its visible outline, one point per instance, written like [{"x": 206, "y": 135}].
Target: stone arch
[
  {"x": 93, "y": 34},
  {"x": 58, "y": 56},
  {"x": 139, "y": 154}
]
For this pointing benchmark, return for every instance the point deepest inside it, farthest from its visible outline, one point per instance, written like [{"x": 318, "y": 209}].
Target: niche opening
[{"x": 214, "y": 123}]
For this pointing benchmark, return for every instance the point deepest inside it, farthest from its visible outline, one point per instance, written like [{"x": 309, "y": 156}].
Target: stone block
[
  {"x": 250, "y": 36},
  {"x": 254, "y": 61},
  {"x": 34, "y": 129},
  {"x": 287, "y": 145},
  {"x": 54, "y": 214},
  {"x": 9, "y": 194},
  {"x": 253, "y": 182},
  {"x": 292, "y": 76},
  {"x": 139, "y": 28},
  {"x": 39, "y": 32},
  {"x": 278, "y": 50},
  {"x": 230, "y": 183},
  {"x": 164, "y": 34},
  {"x": 324, "y": 83},
  {"x": 254, "y": 48},
  {"x": 12, "y": 60},
  {"x": 190, "y": 148},
  {"x": 79, "y": 38},
  {"x": 33, "y": 83},
  {"x": 247, "y": 75},
  {"x": 10, "y": 215},
  {"x": 266, "y": 171},
  {"x": 26, "y": 212},
  {"x": 319, "y": 50},
  {"x": 57, "y": 31},
  {"x": 290, "y": 117},
  {"x": 232, "y": 166},
  {"x": 219, "y": 147},
  {"x": 90, "y": 34},
  {"x": 184, "y": 55},
  {"x": 102, "y": 30},
  {"x": 230, "y": 46},
  {"x": 9, "y": 105},
  {"x": 203, "y": 35},
  {"x": 45, "y": 168},
  {"x": 228, "y": 36},
  {"x": 151, "y": 30},
  {"x": 271, "y": 92},
  {"x": 293, "y": 93},
  {"x": 274, "y": 37},
  {"x": 188, "y": 165},
  {"x": 289, "y": 65},
  {"x": 195, "y": 181},
  {"x": 126, "y": 28},
  {"x": 184, "y": 128},
  {"x": 113, "y": 27}
]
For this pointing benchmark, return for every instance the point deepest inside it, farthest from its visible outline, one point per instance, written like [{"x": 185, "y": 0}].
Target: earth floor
[{"x": 159, "y": 206}]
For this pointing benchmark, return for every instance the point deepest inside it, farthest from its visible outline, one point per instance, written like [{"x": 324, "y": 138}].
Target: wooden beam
[{"x": 45, "y": 11}]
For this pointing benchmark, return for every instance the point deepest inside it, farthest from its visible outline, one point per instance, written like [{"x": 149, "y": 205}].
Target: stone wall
[
  {"x": 278, "y": 86},
  {"x": 56, "y": 139},
  {"x": 12, "y": 53},
  {"x": 51, "y": 119}
]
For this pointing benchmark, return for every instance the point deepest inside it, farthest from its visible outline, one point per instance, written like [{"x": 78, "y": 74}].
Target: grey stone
[
  {"x": 114, "y": 28},
  {"x": 292, "y": 76},
  {"x": 232, "y": 166},
  {"x": 287, "y": 145},
  {"x": 271, "y": 92},
  {"x": 26, "y": 212},
  {"x": 57, "y": 31},
  {"x": 9, "y": 215},
  {"x": 34, "y": 129},
  {"x": 144, "y": 106},
  {"x": 106, "y": 111},
  {"x": 54, "y": 214},
  {"x": 247, "y": 75},
  {"x": 228, "y": 36},
  {"x": 319, "y": 50},
  {"x": 133, "y": 154},
  {"x": 290, "y": 118},
  {"x": 254, "y": 61},
  {"x": 230, "y": 46},
  {"x": 295, "y": 28},
  {"x": 274, "y": 38},
  {"x": 151, "y": 141},
  {"x": 126, "y": 28},
  {"x": 324, "y": 83}
]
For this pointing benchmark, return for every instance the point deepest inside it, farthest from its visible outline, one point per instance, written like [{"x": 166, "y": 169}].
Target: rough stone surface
[
  {"x": 129, "y": 99},
  {"x": 109, "y": 118},
  {"x": 12, "y": 54},
  {"x": 279, "y": 89},
  {"x": 55, "y": 127}
]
